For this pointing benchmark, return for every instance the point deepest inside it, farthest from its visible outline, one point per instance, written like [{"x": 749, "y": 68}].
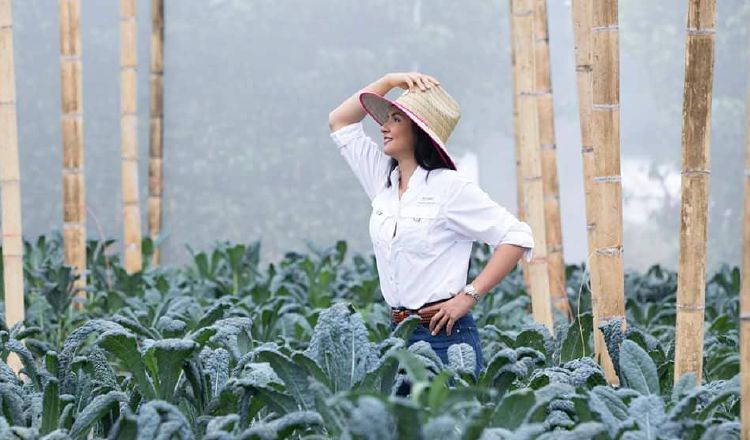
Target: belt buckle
[{"x": 399, "y": 314}]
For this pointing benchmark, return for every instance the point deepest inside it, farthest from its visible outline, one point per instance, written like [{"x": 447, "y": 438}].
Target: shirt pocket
[{"x": 416, "y": 222}]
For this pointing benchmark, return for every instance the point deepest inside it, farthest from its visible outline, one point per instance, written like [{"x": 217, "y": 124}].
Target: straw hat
[{"x": 432, "y": 109}]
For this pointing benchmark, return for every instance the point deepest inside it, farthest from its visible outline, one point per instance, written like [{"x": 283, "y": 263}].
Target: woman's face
[{"x": 398, "y": 134}]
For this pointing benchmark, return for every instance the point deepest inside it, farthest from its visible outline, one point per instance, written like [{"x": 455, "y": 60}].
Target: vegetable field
[{"x": 223, "y": 348}]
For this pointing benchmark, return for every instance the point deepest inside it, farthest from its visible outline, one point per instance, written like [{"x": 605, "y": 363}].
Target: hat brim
[{"x": 377, "y": 106}]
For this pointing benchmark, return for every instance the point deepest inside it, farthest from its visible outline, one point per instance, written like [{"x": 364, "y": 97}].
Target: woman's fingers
[
  {"x": 449, "y": 326},
  {"x": 409, "y": 82},
  {"x": 443, "y": 320},
  {"x": 435, "y": 319}
]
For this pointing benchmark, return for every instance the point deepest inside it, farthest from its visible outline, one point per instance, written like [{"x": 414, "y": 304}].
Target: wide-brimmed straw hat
[{"x": 432, "y": 109}]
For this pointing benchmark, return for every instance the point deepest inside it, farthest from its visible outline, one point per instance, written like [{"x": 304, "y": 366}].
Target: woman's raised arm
[{"x": 350, "y": 111}]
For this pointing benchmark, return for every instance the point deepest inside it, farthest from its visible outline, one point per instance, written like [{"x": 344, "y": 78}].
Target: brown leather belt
[{"x": 398, "y": 314}]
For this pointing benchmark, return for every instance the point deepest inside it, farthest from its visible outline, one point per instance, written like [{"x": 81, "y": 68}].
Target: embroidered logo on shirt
[{"x": 427, "y": 200}]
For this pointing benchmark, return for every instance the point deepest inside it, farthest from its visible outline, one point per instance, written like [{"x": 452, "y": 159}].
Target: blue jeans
[{"x": 464, "y": 330}]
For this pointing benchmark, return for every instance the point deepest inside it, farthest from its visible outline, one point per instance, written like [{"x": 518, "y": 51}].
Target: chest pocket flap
[{"x": 380, "y": 207}]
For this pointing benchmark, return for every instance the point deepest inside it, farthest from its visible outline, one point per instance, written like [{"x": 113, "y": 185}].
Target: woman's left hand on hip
[{"x": 448, "y": 312}]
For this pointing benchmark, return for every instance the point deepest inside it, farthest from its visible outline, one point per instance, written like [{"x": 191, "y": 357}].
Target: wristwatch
[{"x": 469, "y": 289}]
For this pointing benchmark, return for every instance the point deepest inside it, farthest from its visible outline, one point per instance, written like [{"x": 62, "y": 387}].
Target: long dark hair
[{"x": 424, "y": 153}]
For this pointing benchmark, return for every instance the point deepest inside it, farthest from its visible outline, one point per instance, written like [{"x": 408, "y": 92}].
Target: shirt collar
[{"x": 416, "y": 180}]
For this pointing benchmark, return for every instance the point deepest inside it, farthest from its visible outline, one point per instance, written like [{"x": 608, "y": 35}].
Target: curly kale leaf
[{"x": 341, "y": 347}]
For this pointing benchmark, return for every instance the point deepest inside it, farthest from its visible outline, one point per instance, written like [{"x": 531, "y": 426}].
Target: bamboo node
[
  {"x": 611, "y": 27},
  {"x": 70, "y": 58},
  {"x": 532, "y": 178},
  {"x": 704, "y": 31},
  {"x": 607, "y": 179},
  {"x": 585, "y": 68},
  {"x": 72, "y": 115},
  {"x": 691, "y": 307},
  {"x": 590, "y": 226},
  {"x": 694, "y": 172},
  {"x": 548, "y": 146},
  {"x": 587, "y": 149},
  {"x": 538, "y": 260},
  {"x": 744, "y": 316},
  {"x": 522, "y": 13},
  {"x": 611, "y": 251},
  {"x": 8, "y": 102},
  {"x": 605, "y": 106}
]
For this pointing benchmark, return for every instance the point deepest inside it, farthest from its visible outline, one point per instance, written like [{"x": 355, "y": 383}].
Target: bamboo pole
[
  {"x": 608, "y": 299},
  {"x": 129, "y": 137},
  {"x": 745, "y": 288},
  {"x": 74, "y": 185},
  {"x": 696, "y": 142},
  {"x": 523, "y": 42},
  {"x": 582, "y": 36},
  {"x": 517, "y": 143},
  {"x": 10, "y": 181},
  {"x": 156, "y": 138},
  {"x": 548, "y": 154}
]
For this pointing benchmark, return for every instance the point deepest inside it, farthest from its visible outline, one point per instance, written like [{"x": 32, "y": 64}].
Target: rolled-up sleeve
[
  {"x": 363, "y": 155},
  {"x": 471, "y": 213}
]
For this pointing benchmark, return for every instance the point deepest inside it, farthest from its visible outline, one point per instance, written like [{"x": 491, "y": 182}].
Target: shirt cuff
[
  {"x": 347, "y": 133},
  {"x": 520, "y": 235}
]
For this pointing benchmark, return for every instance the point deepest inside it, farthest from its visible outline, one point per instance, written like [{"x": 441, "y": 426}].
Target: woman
[{"x": 425, "y": 214}]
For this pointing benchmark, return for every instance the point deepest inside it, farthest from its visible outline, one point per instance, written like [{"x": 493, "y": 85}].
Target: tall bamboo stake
[
  {"x": 745, "y": 288},
  {"x": 696, "y": 141},
  {"x": 129, "y": 137},
  {"x": 553, "y": 228},
  {"x": 517, "y": 143},
  {"x": 608, "y": 299},
  {"x": 156, "y": 150},
  {"x": 582, "y": 36},
  {"x": 74, "y": 185},
  {"x": 582, "y": 12},
  {"x": 523, "y": 42},
  {"x": 10, "y": 180}
]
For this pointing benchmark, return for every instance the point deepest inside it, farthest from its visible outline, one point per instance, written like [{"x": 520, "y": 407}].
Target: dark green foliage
[{"x": 224, "y": 349}]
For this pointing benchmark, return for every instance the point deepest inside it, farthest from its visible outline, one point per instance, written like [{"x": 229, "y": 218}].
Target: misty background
[{"x": 248, "y": 85}]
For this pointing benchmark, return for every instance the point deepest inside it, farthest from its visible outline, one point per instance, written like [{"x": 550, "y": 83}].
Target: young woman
[{"x": 425, "y": 214}]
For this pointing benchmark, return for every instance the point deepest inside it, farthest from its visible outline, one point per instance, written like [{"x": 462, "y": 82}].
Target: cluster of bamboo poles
[
  {"x": 74, "y": 188},
  {"x": 596, "y": 30}
]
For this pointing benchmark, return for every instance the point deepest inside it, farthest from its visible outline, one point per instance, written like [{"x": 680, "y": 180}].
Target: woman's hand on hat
[
  {"x": 410, "y": 80},
  {"x": 448, "y": 312}
]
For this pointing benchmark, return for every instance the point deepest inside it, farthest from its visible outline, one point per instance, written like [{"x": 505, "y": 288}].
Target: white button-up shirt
[{"x": 422, "y": 241}]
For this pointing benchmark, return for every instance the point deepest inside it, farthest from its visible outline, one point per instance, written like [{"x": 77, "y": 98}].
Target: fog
[{"x": 249, "y": 84}]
